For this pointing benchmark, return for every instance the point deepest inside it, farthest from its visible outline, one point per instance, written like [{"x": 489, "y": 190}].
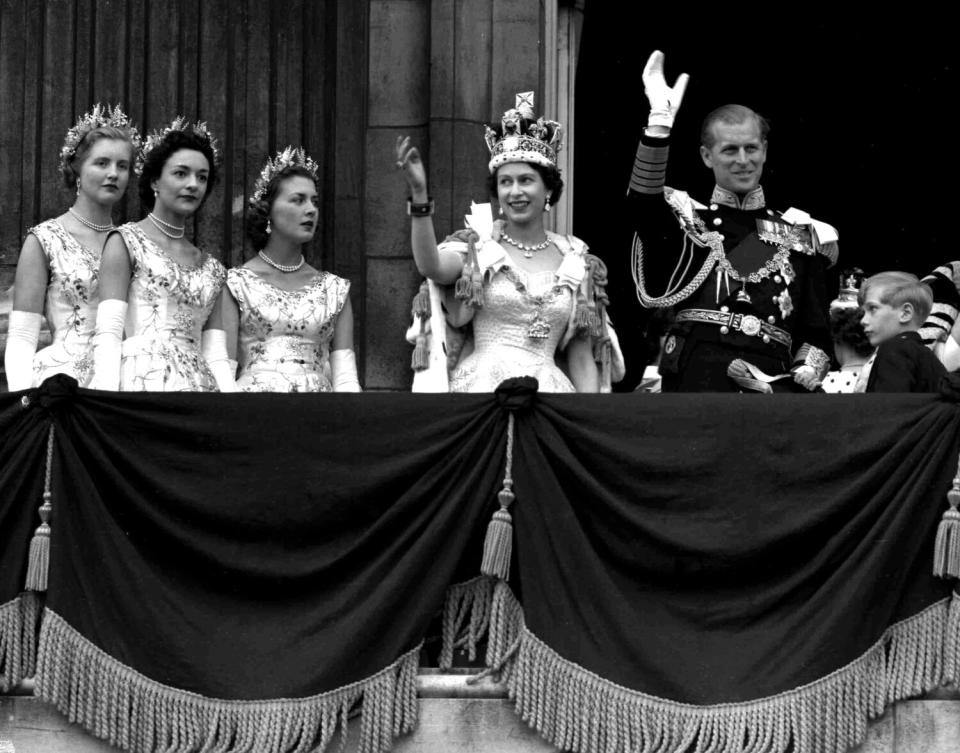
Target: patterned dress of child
[
  {"x": 285, "y": 335},
  {"x": 524, "y": 320},
  {"x": 168, "y": 306},
  {"x": 843, "y": 380},
  {"x": 70, "y": 305}
]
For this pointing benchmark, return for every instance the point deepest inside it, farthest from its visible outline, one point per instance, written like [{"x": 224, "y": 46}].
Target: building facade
[{"x": 340, "y": 77}]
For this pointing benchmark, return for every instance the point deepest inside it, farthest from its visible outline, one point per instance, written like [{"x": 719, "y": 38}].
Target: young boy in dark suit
[{"x": 895, "y": 305}]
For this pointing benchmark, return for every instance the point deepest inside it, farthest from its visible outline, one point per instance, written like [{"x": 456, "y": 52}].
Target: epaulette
[{"x": 823, "y": 237}]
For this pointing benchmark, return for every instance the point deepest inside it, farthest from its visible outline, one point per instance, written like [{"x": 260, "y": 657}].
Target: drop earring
[
  {"x": 501, "y": 210},
  {"x": 269, "y": 229},
  {"x": 546, "y": 207}
]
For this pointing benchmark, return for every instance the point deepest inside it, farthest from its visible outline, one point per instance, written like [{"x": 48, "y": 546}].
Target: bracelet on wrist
[{"x": 415, "y": 209}]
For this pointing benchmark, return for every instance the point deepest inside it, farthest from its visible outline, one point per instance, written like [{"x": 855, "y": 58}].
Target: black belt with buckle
[{"x": 748, "y": 324}]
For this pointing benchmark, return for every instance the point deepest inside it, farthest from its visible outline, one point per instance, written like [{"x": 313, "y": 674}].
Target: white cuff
[
  {"x": 661, "y": 117},
  {"x": 111, "y": 315},
  {"x": 213, "y": 345},
  {"x": 23, "y": 334},
  {"x": 343, "y": 364}
]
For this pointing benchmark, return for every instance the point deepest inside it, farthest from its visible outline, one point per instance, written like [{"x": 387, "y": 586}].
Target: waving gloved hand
[{"x": 664, "y": 100}]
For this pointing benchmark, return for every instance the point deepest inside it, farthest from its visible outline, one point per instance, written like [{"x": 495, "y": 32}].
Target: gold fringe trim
[
  {"x": 466, "y": 618},
  {"x": 140, "y": 715},
  {"x": 951, "y": 649},
  {"x": 577, "y": 710},
  {"x": 506, "y": 625},
  {"x": 18, "y": 639}
]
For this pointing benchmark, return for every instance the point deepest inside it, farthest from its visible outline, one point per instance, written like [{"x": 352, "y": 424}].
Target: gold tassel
[
  {"x": 583, "y": 318},
  {"x": 498, "y": 544},
  {"x": 38, "y": 564},
  {"x": 421, "y": 354},
  {"x": 601, "y": 354},
  {"x": 598, "y": 295},
  {"x": 469, "y": 286},
  {"x": 461, "y": 288},
  {"x": 421, "y": 302},
  {"x": 586, "y": 313},
  {"x": 420, "y": 309},
  {"x": 946, "y": 551}
]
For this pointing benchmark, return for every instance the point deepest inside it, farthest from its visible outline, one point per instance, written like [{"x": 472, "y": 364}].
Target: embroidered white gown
[
  {"x": 285, "y": 335},
  {"x": 168, "y": 305},
  {"x": 70, "y": 305},
  {"x": 525, "y": 319}
]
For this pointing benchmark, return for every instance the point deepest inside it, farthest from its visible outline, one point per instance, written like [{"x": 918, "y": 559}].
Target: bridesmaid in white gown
[
  {"x": 289, "y": 324},
  {"x": 58, "y": 268},
  {"x": 156, "y": 287}
]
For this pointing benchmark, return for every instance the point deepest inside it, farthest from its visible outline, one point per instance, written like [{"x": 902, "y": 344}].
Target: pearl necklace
[
  {"x": 177, "y": 232},
  {"x": 528, "y": 251},
  {"x": 92, "y": 225},
  {"x": 282, "y": 267}
]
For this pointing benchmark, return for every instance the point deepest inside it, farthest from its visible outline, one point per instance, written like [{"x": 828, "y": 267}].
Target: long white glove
[
  {"x": 664, "y": 100},
  {"x": 343, "y": 364},
  {"x": 213, "y": 345},
  {"x": 111, "y": 315},
  {"x": 23, "y": 334}
]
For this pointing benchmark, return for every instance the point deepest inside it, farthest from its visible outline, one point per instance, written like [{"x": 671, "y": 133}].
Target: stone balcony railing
[{"x": 456, "y": 717}]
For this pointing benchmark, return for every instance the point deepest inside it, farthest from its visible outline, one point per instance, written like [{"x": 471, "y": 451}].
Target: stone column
[
  {"x": 439, "y": 71},
  {"x": 398, "y": 104}
]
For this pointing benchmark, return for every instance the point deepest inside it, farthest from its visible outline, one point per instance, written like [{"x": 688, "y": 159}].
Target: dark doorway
[{"x": 861, "y": 109}]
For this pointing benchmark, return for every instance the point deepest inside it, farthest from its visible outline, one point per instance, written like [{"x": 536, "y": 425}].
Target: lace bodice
[
  {"x": 285, "y": 335},
  {"x": 522, "y": 312},
  {"x": 168, "y": 305},
  {"x": 70, "y": 305},
  {"x": 71, "y": 302},
  {"x": 168, "y": 299},
  {"x": 524, "y": 320}
]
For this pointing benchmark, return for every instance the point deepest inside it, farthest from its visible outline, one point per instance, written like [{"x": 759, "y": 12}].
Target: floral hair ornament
[
  {"x": 98, "y": 117},
  {"x": 180, "y": 123},
  {"x": 289, "y": 157},
  {"x": 538, "y": 142}
]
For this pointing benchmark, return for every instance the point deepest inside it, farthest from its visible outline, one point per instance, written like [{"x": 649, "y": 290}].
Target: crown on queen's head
[
  {"x": 98, "y": 117},
  {"x": 289, "y": 157},
  {"x": 180, "y": 123},
  {"x": 538, "y": 142}
]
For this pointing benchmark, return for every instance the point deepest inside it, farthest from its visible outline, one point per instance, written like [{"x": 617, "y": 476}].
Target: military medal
[
  {"x": 786, "y": 303},
  {"x": 785, "y": 237},
  {"x": 787, "y": 271}
]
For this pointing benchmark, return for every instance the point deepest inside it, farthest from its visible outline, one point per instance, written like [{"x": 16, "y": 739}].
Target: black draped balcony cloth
[{"x": 714, "y": 572}]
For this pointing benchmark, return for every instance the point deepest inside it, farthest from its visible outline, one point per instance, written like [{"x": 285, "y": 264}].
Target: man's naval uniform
[{"x": 745, "y": 283}]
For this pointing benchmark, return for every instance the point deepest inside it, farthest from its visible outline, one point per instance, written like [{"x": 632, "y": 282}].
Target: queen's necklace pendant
[{"x": 539, "y": 328}]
